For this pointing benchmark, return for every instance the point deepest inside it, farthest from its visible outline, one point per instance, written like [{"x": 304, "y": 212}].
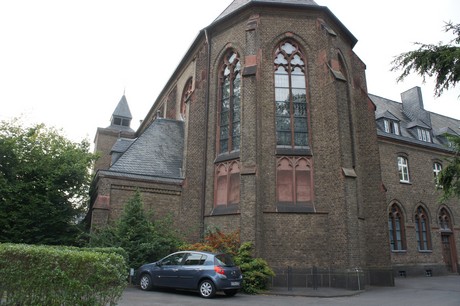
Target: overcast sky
[{"x": 67, "y": 63}]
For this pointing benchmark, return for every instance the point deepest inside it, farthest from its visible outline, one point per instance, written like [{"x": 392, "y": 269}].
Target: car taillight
[{"x": 219, "y": 270}]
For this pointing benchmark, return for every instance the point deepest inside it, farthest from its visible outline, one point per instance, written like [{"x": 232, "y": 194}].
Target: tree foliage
[
  {"x": 143, "y": 240},
  {"x": 44, "y": 182},
  {"x": 441, "y": 61},
  {"x": 449, "y": 177}
]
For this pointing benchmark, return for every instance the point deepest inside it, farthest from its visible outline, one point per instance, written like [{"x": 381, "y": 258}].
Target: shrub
[
  {"x": 144, "y": 241},
  {"x": 43, "y": 275},
  {"x": 256, "y": 271},
  {"x": 217, "y": 241}
]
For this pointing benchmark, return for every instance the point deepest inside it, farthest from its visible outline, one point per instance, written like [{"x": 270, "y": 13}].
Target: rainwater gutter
[{"x": 206, "y": 121}]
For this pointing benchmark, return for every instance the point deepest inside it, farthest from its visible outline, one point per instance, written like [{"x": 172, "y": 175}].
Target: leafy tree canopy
[
  {"x": 441, "y": 61},
  {"x": 44, "y": 182}
]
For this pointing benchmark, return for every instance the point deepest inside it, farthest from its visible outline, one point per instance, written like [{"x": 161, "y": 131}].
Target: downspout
[{"x": 206, "y": 121}]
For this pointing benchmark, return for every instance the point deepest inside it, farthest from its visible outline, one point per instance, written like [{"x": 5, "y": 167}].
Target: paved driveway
[{"x": 423, "y": 291}]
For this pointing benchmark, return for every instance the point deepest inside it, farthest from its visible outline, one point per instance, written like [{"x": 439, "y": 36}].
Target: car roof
[{"x": 200, "y": 252}]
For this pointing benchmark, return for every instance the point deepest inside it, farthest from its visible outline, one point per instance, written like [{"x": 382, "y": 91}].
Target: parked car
[{"x": 192, "y": 270}]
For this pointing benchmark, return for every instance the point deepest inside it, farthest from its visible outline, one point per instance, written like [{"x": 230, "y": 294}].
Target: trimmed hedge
[{"x": 48, "y": 275}]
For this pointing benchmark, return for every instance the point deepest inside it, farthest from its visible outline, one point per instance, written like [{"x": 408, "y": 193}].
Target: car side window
[
  {"x": 173, "y": 260},
  {"x": 194, "y": 259}
]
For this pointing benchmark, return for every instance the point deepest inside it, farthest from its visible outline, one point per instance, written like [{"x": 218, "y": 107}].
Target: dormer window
[
  {"x": 423, "y": 134},
  {"x": 391, "y": 127}
]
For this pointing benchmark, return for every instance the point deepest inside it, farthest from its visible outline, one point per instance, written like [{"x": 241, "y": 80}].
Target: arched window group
[
  {"x": 227, "y": 174},
  {"x": 397, "y": 233}
]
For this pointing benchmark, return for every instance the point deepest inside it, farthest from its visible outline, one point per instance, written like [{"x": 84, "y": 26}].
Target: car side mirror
[{"x": 158, "y": 263}]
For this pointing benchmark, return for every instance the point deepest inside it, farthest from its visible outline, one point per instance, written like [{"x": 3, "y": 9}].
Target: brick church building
[{"x": 266, "y": 127}]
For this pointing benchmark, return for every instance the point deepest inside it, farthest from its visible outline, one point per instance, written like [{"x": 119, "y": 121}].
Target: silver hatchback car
[{"x": 192, "y": 270}]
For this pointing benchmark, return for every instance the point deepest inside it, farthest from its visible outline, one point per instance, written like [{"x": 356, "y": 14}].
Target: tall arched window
[
  {"x": 396, "y": 229},
  {"x": 290, "y": 96},
  {"x": 229, "y": 106},
  {"x": 422, "y": 229},
  {"x": 186, "y": 94}
]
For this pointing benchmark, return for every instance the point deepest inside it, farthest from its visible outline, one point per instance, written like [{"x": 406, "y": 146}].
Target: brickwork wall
[
  {"x": 420, "y": 190},
  {"x": 192, "y": 197},
  {"x": 349, "y": 227},
  {"x": 103, "y": 143},
  {"x": 159, "y": 200},
  {"x": 335, "y": 236}
]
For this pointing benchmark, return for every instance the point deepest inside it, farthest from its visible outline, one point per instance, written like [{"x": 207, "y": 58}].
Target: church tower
[{"x": 120, "y": 127}]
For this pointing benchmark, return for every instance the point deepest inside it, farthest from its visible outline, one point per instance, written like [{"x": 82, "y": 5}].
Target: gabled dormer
[
  {"x": 388, "y": 123},
  {"x": 443, "y": 134},
  {"x": 420, "y": 130}
]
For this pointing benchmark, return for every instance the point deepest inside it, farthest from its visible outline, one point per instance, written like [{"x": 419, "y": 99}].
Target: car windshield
[{"x": 224, "y": 260}]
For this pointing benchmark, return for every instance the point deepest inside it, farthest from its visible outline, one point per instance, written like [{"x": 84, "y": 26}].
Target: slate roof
[
  {"x": 122, "y": 109},
  {"x": 438, "y": 125},
  {"x": 239, "y": 4},
  {"x": 156, "y": 153},
  {"x": 122, "y": 144}
]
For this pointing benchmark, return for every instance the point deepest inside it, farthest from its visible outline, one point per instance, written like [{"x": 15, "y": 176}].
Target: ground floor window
[
  {"x": 396, "y": 228},
  {"x": 422, "y": 230}
]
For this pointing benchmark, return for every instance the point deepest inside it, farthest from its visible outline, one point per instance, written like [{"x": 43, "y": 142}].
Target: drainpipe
[{"x": 206, "y": 120}]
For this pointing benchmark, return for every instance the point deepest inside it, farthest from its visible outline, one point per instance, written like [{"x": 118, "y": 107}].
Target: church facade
[{"x": 266, "y": 127}]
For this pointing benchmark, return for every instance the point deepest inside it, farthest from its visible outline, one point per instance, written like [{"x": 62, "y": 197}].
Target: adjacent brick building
[{"x": 266, "y": 127}]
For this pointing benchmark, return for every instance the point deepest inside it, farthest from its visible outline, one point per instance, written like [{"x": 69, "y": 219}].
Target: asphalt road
[{"x": 420, "y": 291}]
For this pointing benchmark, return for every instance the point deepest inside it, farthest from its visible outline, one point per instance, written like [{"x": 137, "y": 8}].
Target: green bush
[
  {"x": 256, "y": 271},
  {"x": 43, "y": 275}
]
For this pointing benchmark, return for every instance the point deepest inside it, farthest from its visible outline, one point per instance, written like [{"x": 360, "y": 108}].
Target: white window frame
[
  {"x": 437, "y": 168},
  {"x": 403, "y": 169},
  {"x": 423, "y": 135},
  {"x": 386, "y": 125},
  {"x": 396, "y": 128}
]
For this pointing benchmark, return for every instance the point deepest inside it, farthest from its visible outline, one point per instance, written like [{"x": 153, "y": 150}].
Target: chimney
[{"x": 412, "y": 103}]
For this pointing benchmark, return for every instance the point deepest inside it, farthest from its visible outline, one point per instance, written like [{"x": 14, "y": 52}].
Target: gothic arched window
[
  {"x": 396, "y": 228},
  {"x": 229, "y": 103},
  {"x": 422, "y": 229},
  {"x": 290, "y": 96},
  {"x": 186, "y": 94},
  {"x": 444, "y": 220}
]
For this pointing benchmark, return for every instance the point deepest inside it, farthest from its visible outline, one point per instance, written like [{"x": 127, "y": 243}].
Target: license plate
[{"x": 234, "y": 283}]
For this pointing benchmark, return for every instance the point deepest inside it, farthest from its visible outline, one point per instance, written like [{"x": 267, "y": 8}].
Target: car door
[
  {"x": 167, "y": 274},
  {"x": 192, "y": 270}
]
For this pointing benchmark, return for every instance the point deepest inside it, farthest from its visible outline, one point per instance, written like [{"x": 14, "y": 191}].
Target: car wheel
[
  {"x": 231, "y": 292},
  {"x": 207, "y": 289},
  {"x": 146, "y": 282}
]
